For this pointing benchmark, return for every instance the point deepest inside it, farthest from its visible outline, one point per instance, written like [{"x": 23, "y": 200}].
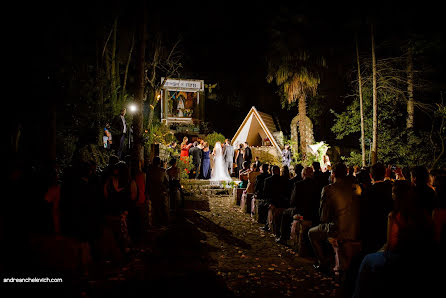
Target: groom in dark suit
[
  {"x": 248, "y": 153},
  {"x": 197, "y": 155},
  {"x": 228, "y": 156}
]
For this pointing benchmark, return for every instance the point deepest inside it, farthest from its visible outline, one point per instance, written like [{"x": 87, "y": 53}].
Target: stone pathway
[{"x": 213, "y": 249}]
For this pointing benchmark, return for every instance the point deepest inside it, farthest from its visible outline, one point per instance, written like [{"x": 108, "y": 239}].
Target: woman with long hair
[
  {"x": 185, "y": 149},
  {"x": 206, "y": 163}
]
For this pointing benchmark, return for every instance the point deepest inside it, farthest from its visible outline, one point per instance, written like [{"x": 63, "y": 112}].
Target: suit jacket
[
  {"x": 248, "y": 154},
  {"x": 274, "y": 191},
  {"x": 117, "y": 125},
  {"x": 377, "y": 203},
  {"x": 228, "y": 153},
  {"x": 197, "y": 155},
  {"x": 305, "y": 199},
  {"x": 339, "y": 210},
  {"x": 260, "y": 184}
]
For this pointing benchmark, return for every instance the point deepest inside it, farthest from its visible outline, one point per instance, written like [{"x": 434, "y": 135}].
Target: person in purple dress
[{"x": 206, "y": 163}]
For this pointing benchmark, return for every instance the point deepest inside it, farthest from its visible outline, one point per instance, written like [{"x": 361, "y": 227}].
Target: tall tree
[
  {"x": 298, "y": 78},
  {"x": 360, "y": 104},
  {"x": 375, "y": 103},
  {"x": 410, "y": 89},
  {"x": 140, "y": 84}
]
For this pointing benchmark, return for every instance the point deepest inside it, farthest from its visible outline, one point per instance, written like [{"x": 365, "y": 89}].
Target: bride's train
[{"x": 219, "y": 172}]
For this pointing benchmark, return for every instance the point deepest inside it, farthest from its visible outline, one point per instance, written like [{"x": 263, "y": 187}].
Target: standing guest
[
  {"x": 304, "y": 201},
  {"x": 286, "y": 156},
  {"x": 185, "y": 149},
  {"x": 120, "y": 129},
  {"x": 248, "y": 154},
  {"x": 258, "y": 190},
  {"x": 117, "y": 195},
  {"x": 338, "y": 216},
  {"x": 239, "y": 159},
  {"x": 175, "y": 193},
  {"x": 157, "y": 185},
  {"x": 424, "y": 195},
  {"x": 197, "y": 156},
  {"x": 107, "y": 137},
  {"x": 376, "y": 203},
  {"x": 228, "y": 156},
  {"x": 275, "y": 193},
  {"x": 137, "y": 214},
  {"x": 206, "y": 163}
]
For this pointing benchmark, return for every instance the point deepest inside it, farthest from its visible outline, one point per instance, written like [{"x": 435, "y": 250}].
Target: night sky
[{"x": 225, "y": 44}]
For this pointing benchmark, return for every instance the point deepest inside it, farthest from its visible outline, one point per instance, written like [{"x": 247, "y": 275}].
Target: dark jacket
[
  {"x": 197, "y": 155},
  {"x": 117, "y": 125},
  {"x": 260, "y": 184},
  {"x": 376, "y": 204},
  {"x": 339, "y": 210},
  {"x": 275, "y": 192},
  {"x": 305, "y": 199},
  {"x": 248, "y": 154}
]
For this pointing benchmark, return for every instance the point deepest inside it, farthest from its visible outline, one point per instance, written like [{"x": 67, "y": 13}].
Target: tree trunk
[
  {"x": 294, "y": 136},
  {"x": 410, "y": 101},
  {"x": 375, "y": 105},
  {"x": 360, "y": 104},
  {"x": 140, "y": 84},
  {"x": 124, "y": 83},
  {"x": 114, "y": 94},
  {"x": 303, "y": 126}
]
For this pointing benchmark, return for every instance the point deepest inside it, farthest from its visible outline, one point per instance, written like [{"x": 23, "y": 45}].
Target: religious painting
[{"x": 182, "y": 104}]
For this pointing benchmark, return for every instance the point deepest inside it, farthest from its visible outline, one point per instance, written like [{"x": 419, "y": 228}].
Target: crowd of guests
[
  {"x": 202, "y": 157},
  {"x": 396, "y": 217},
  {"x": 106, "y": 211}
]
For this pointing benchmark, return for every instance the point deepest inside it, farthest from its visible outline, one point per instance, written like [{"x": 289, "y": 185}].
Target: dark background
[{"x": 224, "y": 43}]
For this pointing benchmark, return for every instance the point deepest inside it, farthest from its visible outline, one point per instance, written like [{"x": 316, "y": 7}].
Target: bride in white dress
[{"x": 220, "y": 171}]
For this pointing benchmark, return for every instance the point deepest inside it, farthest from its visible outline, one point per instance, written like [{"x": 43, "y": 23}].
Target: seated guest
[
  {"x": 423, "y": 194},
  {"x": 274, "y": 191},
  {"x": 439, "y": 213},
  {"x": 252, "y": 177},
  {"x": 403, "y": 267},
  {"x": 322, "y": 179},
  {"x": 258, "y": 190},
  {"x": 376, "y": 204},
  {"x": 304, "y": 201},
  {"x": 297, "y": 174},
  {"x": 338, "y": 216},
  {"x": 285, "y": 174},
  {"x": 244, "y": 175}
]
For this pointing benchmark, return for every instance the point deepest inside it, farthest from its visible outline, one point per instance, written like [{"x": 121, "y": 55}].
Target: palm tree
[{"x": 297, "y": 76}]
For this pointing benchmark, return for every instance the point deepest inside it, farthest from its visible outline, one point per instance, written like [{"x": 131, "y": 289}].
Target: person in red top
[{"x": 185, "y": 149}]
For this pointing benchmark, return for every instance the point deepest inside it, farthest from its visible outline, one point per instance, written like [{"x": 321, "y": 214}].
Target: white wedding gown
[{"x": 219, "y": 172}]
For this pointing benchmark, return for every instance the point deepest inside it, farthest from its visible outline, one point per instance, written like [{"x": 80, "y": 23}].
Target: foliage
[
  {"x": 186, "y": 166},
  {"x": 267, "y": 157},
  {"x": 213, "y": 138},
  {"x": 160, "y": 134},
  {"x": 354, "y": 159},
  {"x": 397, "y": 144}
]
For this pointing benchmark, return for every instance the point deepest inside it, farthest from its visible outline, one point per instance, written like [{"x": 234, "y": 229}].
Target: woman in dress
[
  {"x": 220, "y": 171},
  {"x": 185, "y": 149},
  {"x": 206, "y": 163},
  {"x": 239, "y": 159}
]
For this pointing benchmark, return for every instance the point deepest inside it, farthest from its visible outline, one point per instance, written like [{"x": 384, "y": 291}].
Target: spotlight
[{"x": 132, "y": 108}]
